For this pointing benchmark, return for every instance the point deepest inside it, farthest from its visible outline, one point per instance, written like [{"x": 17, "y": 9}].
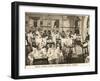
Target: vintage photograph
[{"x": 52, "y": 38}]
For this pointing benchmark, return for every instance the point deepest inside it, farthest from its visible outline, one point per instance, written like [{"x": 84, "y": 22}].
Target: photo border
[{"x": 15, "y": 39}]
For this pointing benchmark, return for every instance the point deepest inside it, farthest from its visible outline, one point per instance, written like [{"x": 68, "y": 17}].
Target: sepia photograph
[
  {"x": 53, "y": 38},
  {"x": 50, "y": 40}
]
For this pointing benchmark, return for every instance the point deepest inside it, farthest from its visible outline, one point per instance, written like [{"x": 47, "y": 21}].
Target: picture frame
[{"x": 41, "y": 17}]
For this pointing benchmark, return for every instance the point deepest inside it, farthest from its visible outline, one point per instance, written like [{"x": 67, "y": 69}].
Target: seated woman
[
  {"x": 29, "y": 38},
  {"x": 58, "y": 52},
  {"x": 68, "y": 44},
  {"x": 52, "y": 56},
  {"x": 87, "y": 59},
  {"x": 30, "y": 57},
  {"x": 43, "y": 52}
]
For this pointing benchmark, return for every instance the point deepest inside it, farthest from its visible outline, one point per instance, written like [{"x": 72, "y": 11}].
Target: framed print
[{"x": 50, "y": 40}]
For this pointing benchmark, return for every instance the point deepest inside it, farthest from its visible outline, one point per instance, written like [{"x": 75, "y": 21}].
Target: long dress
[
  {"x": 31, "y": 56},
  {"x": 60, "y": 58},
  {"x": 30, "y": 36},
  {"x": 52, "y": 56}
]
